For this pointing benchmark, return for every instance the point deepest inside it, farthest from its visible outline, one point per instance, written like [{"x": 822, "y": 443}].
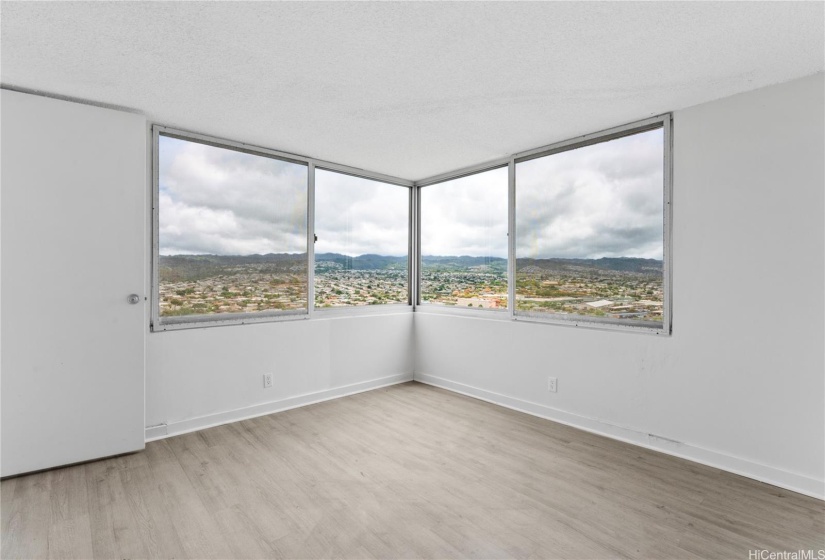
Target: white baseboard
[
  {"x": 763, "y": 473},
  {"x": 156, "y": 432},
  {"x": 202, "y": 422}
]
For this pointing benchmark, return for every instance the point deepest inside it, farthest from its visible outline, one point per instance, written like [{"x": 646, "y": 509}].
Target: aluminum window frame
[
  {"x": 445, "y": 178},
  {"x": 663, "y": 121},
  {"x": 157, "y": 324},
  {"x": 384, "y": 308},
  {"x": 654, "y": 123}
]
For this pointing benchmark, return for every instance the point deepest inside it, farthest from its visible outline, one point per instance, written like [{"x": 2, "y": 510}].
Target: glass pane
[
  {"x": 464, "y": 241},
  {"x": 233, "y": 231},
  {"x": 589, "y": 232},
  {"x": 363, "y": 241}
]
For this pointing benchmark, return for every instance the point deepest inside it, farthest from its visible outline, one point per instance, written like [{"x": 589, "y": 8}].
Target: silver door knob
[{"x": 133, "y": 299}]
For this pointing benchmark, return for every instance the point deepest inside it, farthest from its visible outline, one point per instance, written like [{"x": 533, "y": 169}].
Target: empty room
[{"x": 412, "y": 280}]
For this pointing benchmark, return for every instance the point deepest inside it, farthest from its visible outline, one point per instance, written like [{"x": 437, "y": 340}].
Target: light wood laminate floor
[{"x": 409, "y": 471}]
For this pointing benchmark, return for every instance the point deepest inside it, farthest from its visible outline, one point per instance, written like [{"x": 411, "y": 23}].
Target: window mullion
[
  {"x": 511, "y": 238},
  {"x": 311, "y": 238}
]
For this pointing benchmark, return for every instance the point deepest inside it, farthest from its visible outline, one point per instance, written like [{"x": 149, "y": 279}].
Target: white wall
[
  {"x": 741, "y": 382},
  {"x": 199, "y": 377}
]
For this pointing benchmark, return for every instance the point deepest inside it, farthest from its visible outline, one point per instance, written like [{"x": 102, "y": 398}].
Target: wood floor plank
[
  {"x": 115, "y": 531},
  {"x": 196, "y": 525},
  {"x": 29, "y": 519},
  {"x": 9, "y": 515},
  {"x": 154, "y": 524},
  {"x": 70, "y": 531},
  {"x": 408, "y": 471}
]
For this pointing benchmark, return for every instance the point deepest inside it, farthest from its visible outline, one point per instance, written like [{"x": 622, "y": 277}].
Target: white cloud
[
  {"x": 601, "y": 200},
  {"x": 604, "y": 200},
  {"x": 466, "y": 216},
  {"x": 219, "y": 201},
  {"x": 355, "y": 216}
]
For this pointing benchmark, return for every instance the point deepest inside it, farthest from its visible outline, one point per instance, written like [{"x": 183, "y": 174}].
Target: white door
[{"x": 73, "y": 249}]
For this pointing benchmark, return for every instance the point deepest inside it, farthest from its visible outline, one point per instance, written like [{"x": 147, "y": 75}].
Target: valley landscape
[{"x": 616, "y": 288}]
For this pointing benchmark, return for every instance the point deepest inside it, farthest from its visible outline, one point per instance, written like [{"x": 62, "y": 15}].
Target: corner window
[
  {"x": 590, "y": 231},
  {"x": 574, "y": 233},
  {"x": 464, "y": 242},
  {"x": 362, "y": 246},
  {"x": 231, "y": 238}
]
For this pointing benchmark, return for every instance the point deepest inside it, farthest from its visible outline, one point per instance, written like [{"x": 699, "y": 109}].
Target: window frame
[
  {"x": 665, "y": 122},
  {"x": 384, "y": 308},
  {"x": 157, "y": 324},
  {"x": 465, "y": 311}
]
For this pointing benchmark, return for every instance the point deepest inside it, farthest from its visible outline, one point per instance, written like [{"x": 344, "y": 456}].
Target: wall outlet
[
  {"x": 552, "y": 384},
  {"x": 267, "y": 380}
]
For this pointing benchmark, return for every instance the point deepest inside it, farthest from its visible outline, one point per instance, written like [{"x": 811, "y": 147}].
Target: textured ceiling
[{"x": 407, "y": 89}]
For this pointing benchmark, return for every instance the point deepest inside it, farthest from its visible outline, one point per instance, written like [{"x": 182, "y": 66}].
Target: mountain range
[{"x": 193, "y": 267}]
